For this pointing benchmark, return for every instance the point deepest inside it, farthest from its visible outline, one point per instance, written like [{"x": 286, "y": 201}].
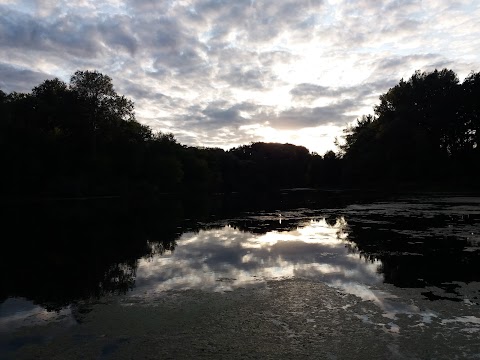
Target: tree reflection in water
[
  {"x": 60, "y": 254},
  {"x": 57, "y": 254}
]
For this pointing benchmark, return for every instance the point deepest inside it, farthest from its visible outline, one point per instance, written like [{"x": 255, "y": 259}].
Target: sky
[{"x": 223, "y": 73}]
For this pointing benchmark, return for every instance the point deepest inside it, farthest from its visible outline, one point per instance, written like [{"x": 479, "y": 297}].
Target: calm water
[{"x": 385, "y": 252}]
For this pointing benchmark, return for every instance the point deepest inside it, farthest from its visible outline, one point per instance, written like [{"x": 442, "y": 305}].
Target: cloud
[
  {"x": 20, "y": 80},
  {"x": 249, "y": 77},
  {"x": 117, "y": 33},
  {"x": 297, "y": 118},
  {"x": 229, "y": 116},
  {"x": 310, "y": 92},
  {"x": 229, "y": 253},
  {"x": 68, "y": 36},
  {"x": 206, "y": 69},
  {"x": 347, "y": 100},
  {"x": 218, "y": 116}
]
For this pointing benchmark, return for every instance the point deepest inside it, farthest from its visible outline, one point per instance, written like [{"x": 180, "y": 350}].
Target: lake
[{"x": 297, "y": 274}]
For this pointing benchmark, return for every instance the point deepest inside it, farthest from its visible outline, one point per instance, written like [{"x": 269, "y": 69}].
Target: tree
[
  {"x": 97, "y": 91},
  {"x": 471, "y": 110},
  {"x": 111, "y": 125},
  {"x": 422, "y": 129},
  {"x": 77, "y": 139},
  {"x": 50, "y": 89},
  {"x": 427, "y": 102}
]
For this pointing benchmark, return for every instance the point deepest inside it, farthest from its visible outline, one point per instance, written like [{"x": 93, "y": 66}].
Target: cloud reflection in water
[{"x": 226, "y": 258}]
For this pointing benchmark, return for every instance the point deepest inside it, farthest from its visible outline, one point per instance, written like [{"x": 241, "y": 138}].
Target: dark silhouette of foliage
[
  {"x": 424, "y": 129},
  {"x": 82, "y": 139},
  {"x": 77, "y": 250},
  {"x": 271, "y": 166},
  {"x": 74, "y": 140}
]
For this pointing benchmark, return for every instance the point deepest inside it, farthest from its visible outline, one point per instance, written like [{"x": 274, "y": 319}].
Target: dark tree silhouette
[
  {"x": 423, "y": 130},
  {"x": 82, "y": 139}
]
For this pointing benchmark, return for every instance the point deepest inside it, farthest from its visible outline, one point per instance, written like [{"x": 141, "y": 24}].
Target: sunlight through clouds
[{"x": 306, "y": 68}]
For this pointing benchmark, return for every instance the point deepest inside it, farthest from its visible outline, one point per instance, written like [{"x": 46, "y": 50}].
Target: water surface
[{"x": 411, "y": 257}]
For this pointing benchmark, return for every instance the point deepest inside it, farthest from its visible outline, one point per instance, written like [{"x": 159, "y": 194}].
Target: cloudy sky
[{"x": 229, "y": 72}]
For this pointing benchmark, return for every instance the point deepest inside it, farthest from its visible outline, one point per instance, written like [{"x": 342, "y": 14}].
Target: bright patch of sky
[{"x": 229, "y": 72}]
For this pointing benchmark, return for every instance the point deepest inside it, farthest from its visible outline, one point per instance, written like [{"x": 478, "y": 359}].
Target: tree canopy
[
  {"x": 425, "y": 128},
  {"x": 82, "y": 139}
]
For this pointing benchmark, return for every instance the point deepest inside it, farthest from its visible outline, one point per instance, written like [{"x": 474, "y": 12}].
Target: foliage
[
  {"x": 82, "y": 139},
  {"x": 424, "y": 129}
]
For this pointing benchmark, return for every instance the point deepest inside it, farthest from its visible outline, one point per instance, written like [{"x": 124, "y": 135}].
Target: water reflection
[
  {"x": 225, "y": 258},
  {"x": 61, "y": 254},
  {"x": 422, "y": 241},
  {"x": 57, "y": 254},
  {"x": 18, "y": 312}
]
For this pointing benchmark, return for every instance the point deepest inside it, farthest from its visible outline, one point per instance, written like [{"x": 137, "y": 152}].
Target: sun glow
[{"x": 316, "y": 139}]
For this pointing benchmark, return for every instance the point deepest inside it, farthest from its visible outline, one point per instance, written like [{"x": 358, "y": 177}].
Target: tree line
[
  {"x": 82, "y": 139},
  {"x": 425, "y": 129}
]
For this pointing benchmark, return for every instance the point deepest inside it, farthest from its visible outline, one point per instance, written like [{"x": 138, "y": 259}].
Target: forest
[
  {"x": 425, "y": 129},
  {"x": 82, "y": 139}
]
